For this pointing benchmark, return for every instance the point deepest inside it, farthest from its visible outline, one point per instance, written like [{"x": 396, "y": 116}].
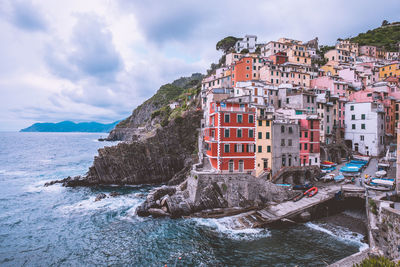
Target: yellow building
[
  {"x": 330, "y": 68},
  {"x": 389, "y": 70},
  {"x": 264, "y": 142},
  {"x": 298, "y": 54}
]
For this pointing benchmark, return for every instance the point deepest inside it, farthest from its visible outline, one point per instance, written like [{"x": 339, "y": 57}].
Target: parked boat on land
[
  {"x": 327, "y": 164},
  {"x": 302, "y": 186},
  {"x": 339, "y": 178},
  {"x": 311, "y": 192},
  {"x": 328, "y": 170}
]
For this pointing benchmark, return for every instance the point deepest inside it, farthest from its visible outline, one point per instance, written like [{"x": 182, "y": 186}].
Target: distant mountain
[{"x": 69, "y": 126}]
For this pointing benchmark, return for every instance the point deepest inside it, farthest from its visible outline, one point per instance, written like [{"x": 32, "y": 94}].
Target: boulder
[
  {"x": 100, "y": 197},
  {"x": 114, "y": 194},
  {"x": 157, "y": 212}
]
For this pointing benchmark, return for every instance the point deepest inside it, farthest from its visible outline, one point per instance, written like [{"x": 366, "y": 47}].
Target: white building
[
  {"x": 365, "y": 128},
  {"x": 248, "y": 42}
]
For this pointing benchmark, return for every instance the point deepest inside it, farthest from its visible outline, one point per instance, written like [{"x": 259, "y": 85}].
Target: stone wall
[{"x": 390, "y": 232}]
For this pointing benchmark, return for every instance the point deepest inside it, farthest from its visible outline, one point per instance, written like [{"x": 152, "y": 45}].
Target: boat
[
  {"x": 350, "y": 168},
  {"x": 382, "y": 182},
  {"x": 311, "y": 192},
  {"x": 378, "y": 188},
  {"x": 302, "y": 186},
  {"x": 328, "y": 170},
  {"x": 360, "y": 157},
  {"x": 287, "y": 185},
  {"x": 380, "y": 174},
  {"x": 339, "y": 178},
  {"x": 327, "y": 164},
  {"x": 327, "y": 178},
  {"x": 298, "y": 197}
]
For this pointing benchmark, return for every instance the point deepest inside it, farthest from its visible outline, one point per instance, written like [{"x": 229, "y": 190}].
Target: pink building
[
  {"x": 368, "y": 50},
  {"x": 309, "y": 141}
]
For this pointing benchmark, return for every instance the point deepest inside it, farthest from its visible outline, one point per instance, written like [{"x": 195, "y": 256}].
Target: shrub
[
  {"x": 372, "y": 204},
  {"x": 377, "y": 262}
]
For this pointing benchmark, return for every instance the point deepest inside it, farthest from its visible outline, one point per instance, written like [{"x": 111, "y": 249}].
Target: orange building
[{"x": 246, "y": 69}]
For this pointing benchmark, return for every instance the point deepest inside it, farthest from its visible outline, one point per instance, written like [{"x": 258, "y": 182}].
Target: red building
[
  {"x": 279, "y": 58},
  {"x": 230, "y": 136},
  {"x": 309, "y": 141}
]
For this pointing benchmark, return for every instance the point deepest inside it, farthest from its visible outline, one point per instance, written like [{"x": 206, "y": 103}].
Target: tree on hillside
[
  {"x": 227, "y": 43},
  {"x": 385, "y": 22}
]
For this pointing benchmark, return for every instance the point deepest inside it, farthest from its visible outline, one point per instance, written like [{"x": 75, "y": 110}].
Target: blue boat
[
  {"x": 338, "y": 178},
  {"x": 350, "y": 168}
]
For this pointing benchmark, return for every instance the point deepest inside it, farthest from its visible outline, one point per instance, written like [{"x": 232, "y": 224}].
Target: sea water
[{"x": 42, "y": 226}]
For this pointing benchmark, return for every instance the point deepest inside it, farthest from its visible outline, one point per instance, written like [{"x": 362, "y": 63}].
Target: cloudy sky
[{"x": 96, "y": 60}]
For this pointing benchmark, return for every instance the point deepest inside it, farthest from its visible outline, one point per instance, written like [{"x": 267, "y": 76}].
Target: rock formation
[
  {"x": 201, "y": 194},
  {"x": 152, "y": 160}
]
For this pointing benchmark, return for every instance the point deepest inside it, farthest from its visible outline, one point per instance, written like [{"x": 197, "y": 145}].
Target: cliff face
[
  {"x": 127, "y": 129},
  {"x": 156, "y": 159}
]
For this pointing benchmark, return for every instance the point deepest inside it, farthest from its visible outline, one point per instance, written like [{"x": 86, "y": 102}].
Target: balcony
[{"x": 236, "y": 109}]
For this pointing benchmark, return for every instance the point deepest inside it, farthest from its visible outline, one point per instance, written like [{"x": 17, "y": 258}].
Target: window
[
  {"x": 239, "y": 118},
  {"x": 282, "y": 129},
  {"x": 289, "y": 142},
  {"x": 251, "y": 119},
  {"x": 353, "y": 126},
  {"x": 363, "y": 116},
  {"x": 351, "y": 107},
  {"x": 250, "y": 148},
  {"x": 267, "y": 123},
  {"x": 239, "y": 148},
  {"x": 283, "y": 160},
  {"x": 239, "y": 133},
  {"x": 306, "y": 134},
  {"x": 353, "y": 117},
  {"x": 287, "y": 100},
  {"x": 226, "y": 133},
  {"x": 282, "y": 142},
  {"x": 305, "y": 146},
  {"x": 361, "y": 137},
  {"x": 268, "y": 148},
  {"x": 290, "y": 130},
  {"x": 363, "y": 126},
  {"x": 227, "y": 118},
  {"x": 267, "y": 135},
  {"x": 259, "y": 149},
  {"x": 251, "y": 133},
  {"x": 226, "y": 148},
  {"x": 259, "y": 135},
  {"x": 259, "y": 123}
]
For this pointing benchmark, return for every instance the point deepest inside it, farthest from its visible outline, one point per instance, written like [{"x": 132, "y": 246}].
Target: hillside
[
  {"x": 164, "y": 95},
  {"x": 69, "y": 126},
  {"x": 386, "y": 36}
]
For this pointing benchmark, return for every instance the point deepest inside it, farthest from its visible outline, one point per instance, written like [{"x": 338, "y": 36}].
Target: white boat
[
  {"x": 380, "y": 174},
  {"x": 327, "y": 178},
  {"x": 383, "y": 182}
]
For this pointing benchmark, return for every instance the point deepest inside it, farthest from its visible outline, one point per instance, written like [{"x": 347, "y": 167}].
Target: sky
[{"x": 96, "y": 60}]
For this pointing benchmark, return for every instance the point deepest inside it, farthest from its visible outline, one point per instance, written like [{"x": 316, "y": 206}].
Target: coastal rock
[
  {"x": 156, "y": 159},
  {"x": 157, "y": 212},
  {"x": 305, "y": 216},
  {"x": 100, "y": 197},
  {"x": 114, "y": 194}
]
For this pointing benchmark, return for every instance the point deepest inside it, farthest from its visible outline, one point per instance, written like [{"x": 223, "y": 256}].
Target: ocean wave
[
  {"x": 38, "y": 186},
  {"x": 13, "y": 173},
  {"x": 227, "y": 227},
  {"x": 108, "y": 203},
  {"x": 341, "y": 234}
]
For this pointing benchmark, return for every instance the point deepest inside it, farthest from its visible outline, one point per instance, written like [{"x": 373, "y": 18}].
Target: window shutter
[{"x": 235, "y": 148}]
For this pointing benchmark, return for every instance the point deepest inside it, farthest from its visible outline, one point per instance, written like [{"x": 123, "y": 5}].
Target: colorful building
[
  {"x": 389, "y": 70},
  {"x": 230, "y": 136},
  {"x": 264, "y": 141}
]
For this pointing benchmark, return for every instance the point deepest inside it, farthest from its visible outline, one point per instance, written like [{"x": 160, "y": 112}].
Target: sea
[{"x": 58, "y": 226}]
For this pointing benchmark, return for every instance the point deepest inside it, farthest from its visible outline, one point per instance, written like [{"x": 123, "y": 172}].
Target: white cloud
[{"x": 98, "y": 59}]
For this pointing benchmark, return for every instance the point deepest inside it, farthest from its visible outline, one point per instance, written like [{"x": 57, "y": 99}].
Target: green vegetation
[
  {"x": 374, "y": 207},
  {"x": 227, "y": 43},
  {"x": 377, "y": 262},
  {"x": 386, "y": 36},
  {"x": 244, "y": 51},
  {"x": 321, "y": 52}
]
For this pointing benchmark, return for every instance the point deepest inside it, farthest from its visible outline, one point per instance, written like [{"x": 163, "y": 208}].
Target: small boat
[
  {"x": 382, "y": 182},
  {"x": 327, "y": 164},
  {"x": 339, "y": 178},
  {"x": 380, "y": 174},
  {"x": 378, "y": 188},
  {"x": 283, "y": 185},
  {"x": 302, "y": 186},
  {"x": 328, "y": 170},
  {"x": 311, "y": 192},
  {"x": 327, "y": 178},
  {"x": 298, "y": 197}
]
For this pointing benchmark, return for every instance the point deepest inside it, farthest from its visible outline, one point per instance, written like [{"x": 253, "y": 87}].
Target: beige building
[{"x": 264, "y": 142}]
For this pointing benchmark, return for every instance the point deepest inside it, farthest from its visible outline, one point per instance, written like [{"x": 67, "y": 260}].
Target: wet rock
[
  {"x": 100, "y": 197},
  {"x": 114, "y": 194},
  {"x": 157, "y": 212}
]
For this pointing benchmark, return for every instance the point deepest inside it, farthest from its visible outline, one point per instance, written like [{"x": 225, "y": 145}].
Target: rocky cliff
[
  {"x": 165, "y": 154},
  {"x": 127, "y": 129}
]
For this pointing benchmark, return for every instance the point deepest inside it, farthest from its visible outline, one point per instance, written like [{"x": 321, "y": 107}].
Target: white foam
[
  {"x": 341, "y": 234},
  {"x": 38, "y": 186},
  {"x": 226, "y": 227},
  {"x": 108, "y": 203}
]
